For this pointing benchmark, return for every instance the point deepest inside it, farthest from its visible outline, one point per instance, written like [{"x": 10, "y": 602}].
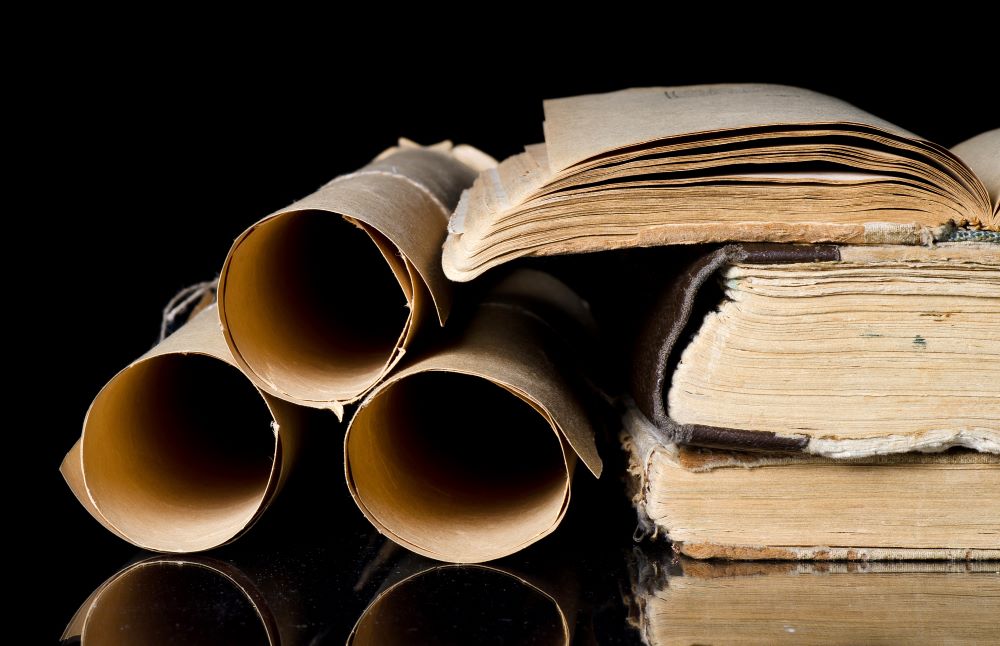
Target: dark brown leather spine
[{"x": 658, "y": 341}]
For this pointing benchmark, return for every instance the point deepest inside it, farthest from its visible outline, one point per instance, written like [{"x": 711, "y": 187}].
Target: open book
[{"x": 711, "y": 163}]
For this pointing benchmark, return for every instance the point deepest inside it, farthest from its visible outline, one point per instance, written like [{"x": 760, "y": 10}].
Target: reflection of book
[
  {"x": 742, "y": 505},
  {"x": 699, "y": 602},
  {"x": 710, "y": 163}
]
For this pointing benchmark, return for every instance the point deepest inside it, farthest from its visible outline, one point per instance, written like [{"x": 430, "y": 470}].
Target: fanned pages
[
  {"x": 319, "y": 300},
  {"x": 466, "y": 454},
  {"x": 982, "y": 154},
  {"x": 790, "y": 506},
  {"x": 831, "y": 350},
  {"x": 697, "y": 602},
  {"x": 713, "y": 163},
  {"x": 179, "y": 451}
]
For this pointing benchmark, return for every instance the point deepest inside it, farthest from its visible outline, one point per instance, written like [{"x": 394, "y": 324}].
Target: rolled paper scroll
[
  {"x": 467, "y": 453},
  {"x": 179, "y": 451},
  {"x": 321, "y": 299}
]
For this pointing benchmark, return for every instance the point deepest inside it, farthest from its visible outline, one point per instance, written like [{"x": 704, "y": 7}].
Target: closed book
[
  {"x": 835, "y": 351},
  {"x": 756, "y": 505}
]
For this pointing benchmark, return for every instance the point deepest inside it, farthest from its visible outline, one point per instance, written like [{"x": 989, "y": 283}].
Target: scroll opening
[
  {"x": 462, "y": 605},
  {"x": 457, "y": 467},
  {"x": 288, "y": 303},
  {"x": 178, "y": 452}
]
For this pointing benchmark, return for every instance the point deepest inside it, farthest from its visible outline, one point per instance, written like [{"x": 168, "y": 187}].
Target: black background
[{"x": 157, "y": 154}]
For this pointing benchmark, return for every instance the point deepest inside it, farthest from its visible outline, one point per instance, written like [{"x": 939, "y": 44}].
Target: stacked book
[{"x": 821, "y": 382}]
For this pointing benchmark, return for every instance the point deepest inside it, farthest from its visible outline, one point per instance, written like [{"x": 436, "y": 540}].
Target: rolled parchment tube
[
  {"x": 179, "y": 451},
  {"x": 466, "y": 454},
  {"x": 321, "y": 299}
]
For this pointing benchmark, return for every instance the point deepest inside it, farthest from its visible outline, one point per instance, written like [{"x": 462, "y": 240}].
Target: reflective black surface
[
  {"x": 341, "y": 582},
  {"x": 308, "y": 571}
]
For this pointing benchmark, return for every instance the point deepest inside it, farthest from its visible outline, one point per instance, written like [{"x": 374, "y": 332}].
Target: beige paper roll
[
  {"x": 462, "y": 604},
  {"x": 179, "y": 451},
  {"x": 321, "y": 299},
  {"x": 466, "y": 454}
]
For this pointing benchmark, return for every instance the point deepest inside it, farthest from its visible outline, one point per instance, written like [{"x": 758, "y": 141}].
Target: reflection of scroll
[
  {"x": 466, "y": 604},
  {"x": 151, "y": 602},
  {"x": 321, "y": 299},
  {"x": 466, "y": 454},
  {"x": 705, "y": 602},
  {"x": 314, "y": 595},
  {"x": 179, "y": 452}
]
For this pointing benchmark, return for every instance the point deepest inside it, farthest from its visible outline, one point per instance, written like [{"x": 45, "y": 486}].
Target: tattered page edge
[
  {"x": 643, "y": 442},
  {"x": 673, "y": 311},
  {"x": 686, "y": 566},
  {"x": 824, "y": 553}
]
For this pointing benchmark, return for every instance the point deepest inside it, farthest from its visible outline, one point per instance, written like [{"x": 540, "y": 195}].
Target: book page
[
  {"x": 982, "y": 154},
  {"x": 577, "y": 128}
]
